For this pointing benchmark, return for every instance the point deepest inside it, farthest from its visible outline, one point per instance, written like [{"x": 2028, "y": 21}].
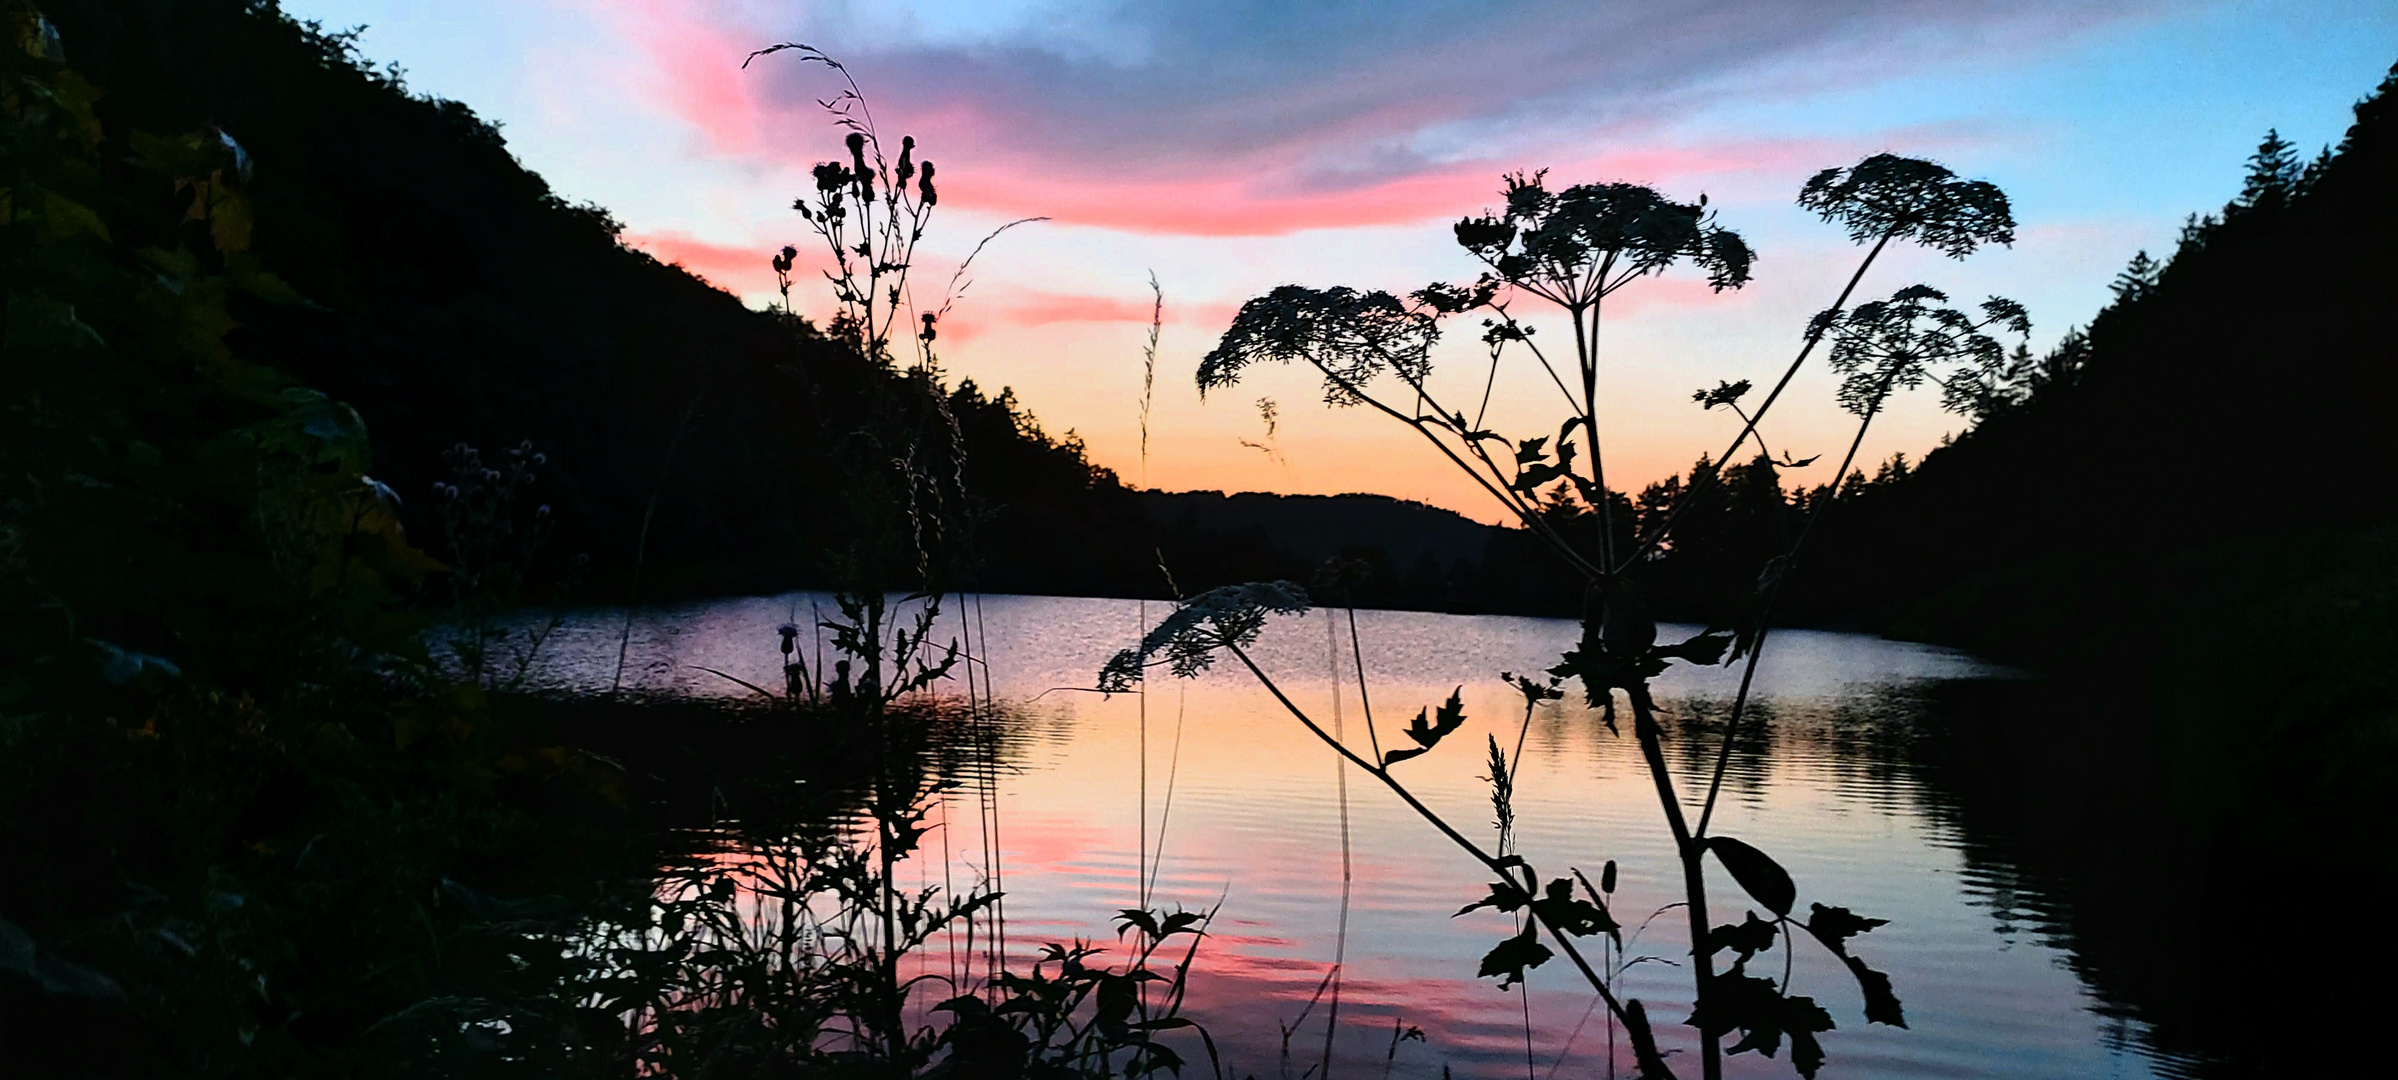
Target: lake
[{"x": 1244, "y": 809}]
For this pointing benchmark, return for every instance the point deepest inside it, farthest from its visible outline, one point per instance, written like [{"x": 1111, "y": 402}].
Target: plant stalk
[
  {"x": 1565, "y": 944},
  {"x": 1708, "y": 475}
]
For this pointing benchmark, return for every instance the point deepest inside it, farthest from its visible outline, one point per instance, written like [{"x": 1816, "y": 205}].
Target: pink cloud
[
  {"x": 739, "y": 269},
  {"x": 1304, "y": 119},
  {"x": 1266, "y": 203},
  {"x": 983, "y": 310}
]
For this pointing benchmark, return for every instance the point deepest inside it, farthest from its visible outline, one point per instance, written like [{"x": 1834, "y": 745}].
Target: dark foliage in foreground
[
  {"x": 452, "y": 296},
  {"x": 257, "y": 824}
]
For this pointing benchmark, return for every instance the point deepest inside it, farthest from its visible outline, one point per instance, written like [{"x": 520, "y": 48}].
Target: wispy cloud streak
[{"x": 1266, "y": 118}]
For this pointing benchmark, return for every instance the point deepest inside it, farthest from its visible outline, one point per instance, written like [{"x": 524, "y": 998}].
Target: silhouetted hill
[
  {"x": 2190, "y": 527},
  {"x": 1318, "y": 527},
  {"x": 454, "y": 297},
  {"x": 2235, "y": 398}
]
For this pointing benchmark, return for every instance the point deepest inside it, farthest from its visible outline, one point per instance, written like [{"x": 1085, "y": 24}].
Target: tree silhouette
[
  {"x": 2138, "y": 276},
  {"x": 2273, "y": 174}
]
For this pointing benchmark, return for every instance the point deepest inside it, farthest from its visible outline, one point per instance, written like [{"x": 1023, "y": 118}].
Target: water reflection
[{"x": 1842, "y": 781}]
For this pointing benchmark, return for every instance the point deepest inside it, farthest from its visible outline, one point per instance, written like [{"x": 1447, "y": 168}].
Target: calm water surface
[{"x": 1243, "y": 807}]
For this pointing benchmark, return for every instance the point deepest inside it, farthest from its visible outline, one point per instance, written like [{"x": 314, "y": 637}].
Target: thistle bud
[{"x": 859, "y": 173}]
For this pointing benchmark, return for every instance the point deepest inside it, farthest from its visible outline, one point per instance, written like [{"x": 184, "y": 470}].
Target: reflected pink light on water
[{"x": 1254, "y": 824}]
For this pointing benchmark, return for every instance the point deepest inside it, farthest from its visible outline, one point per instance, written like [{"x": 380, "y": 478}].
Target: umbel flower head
[
  {"x": 1574, "y": 246},
  {"x": 1900, "y": 198},
  {"x": 1205, "y": 624},
  {"x": 1898, "y": 343},
  {"x": 1350, "y": 336}
]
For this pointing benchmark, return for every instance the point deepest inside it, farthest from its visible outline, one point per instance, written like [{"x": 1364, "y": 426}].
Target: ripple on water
[{"x": 1823, "y": 779}]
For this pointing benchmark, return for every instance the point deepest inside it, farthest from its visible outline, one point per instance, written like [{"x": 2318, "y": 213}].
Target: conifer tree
[
  {"x": 2138, "y": 276},
  {"x": 2273, "y": 174}
]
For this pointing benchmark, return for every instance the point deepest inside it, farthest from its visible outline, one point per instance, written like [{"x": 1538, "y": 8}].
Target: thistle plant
[
  {"x": 899, "y": 503},
  {"x": 494, "y": 530},
  {"x": 1571, "y": 250}
]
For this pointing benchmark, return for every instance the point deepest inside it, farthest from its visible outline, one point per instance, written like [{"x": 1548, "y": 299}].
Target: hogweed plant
[{"x": 1571, "y": 250}]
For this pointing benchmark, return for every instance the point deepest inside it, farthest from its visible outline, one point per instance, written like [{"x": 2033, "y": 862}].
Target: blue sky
[{"x": 1234, "y": 147}]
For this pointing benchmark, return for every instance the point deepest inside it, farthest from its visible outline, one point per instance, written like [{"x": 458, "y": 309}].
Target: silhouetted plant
[
  {"x": 841, "y": 925},
  {"x": 495, "y": 529},
  {"x": 1573, "y": 249}
]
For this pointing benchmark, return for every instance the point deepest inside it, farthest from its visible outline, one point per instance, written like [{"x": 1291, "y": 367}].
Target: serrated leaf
[
  {"x": 1763, "y": 1015},
  {"x": 1601, "y": 672},
  {"x": 1881, "y": 1004},
  {"x": 1450, "y": 716},
  {"x": 1835, "y": 925},
  {"x": 1504, "y": 896},
  {"x": 1806, "y": 1054},
  {"x": 1512, "y": 957},
  {"x": 1704, "y": 649},
  {"x": 1533, "y": 477},
  {"x": 1569, "y": 914},
  {"x": 63, "y": 217},
  {"x": 1757, "y": 873},
  {"x": 1752, "y": 936},
  {"x": 1532, "y": 450}
]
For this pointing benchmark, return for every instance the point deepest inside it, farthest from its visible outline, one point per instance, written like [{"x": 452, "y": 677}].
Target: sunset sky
[{"x": 1233, "y": 147}]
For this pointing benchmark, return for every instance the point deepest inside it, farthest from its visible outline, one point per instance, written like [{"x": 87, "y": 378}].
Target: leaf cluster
[
  {"x": 1555, "y": 906},
  {"x": 1762, "y": 1010},
  {"x": 1450, "y": 717}
]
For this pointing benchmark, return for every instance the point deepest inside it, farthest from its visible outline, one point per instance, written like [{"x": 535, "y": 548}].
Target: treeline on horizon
[
  {"x": 453, "y": 298},
  {"x": 240, "y": 798}
]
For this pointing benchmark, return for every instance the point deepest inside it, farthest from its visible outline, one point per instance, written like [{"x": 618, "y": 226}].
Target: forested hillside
[
  {"x": 2186, "y": 518},
  {"x": 453, "y": 297},
  {"x": 2233, "y": 397},
  {"x": 2230, "y": 395}
]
